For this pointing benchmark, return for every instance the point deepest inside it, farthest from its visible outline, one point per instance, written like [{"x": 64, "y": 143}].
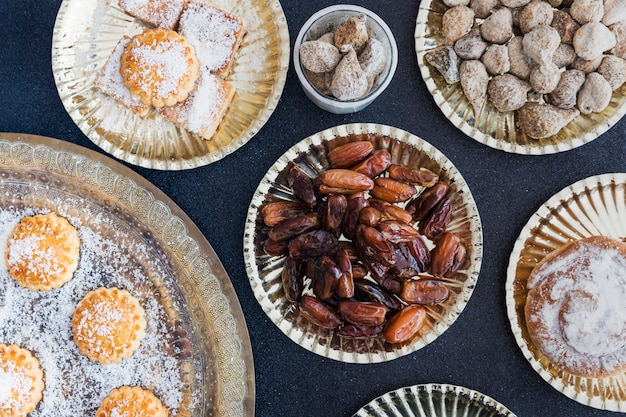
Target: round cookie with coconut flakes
[
  {"x": 108, "y": 325},
  {"x": 42, "y": 252},
  {"x": 159, "y": 67},
  {"x": 21, "y": 381},
  {"x": 131, "y": 402}
]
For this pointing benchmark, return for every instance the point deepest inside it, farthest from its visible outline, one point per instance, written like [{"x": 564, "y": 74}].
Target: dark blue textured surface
[{"x": 478, "y": 351}]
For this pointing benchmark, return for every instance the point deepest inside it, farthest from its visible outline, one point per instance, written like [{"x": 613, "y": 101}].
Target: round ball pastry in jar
[
  {"x": 131, "y": 402},
  {"x": 159, "y": 67},
  {"x": 576, "y": 310},
  {"x": 42, "y": 252},
  {"x": 21, "y": 381},
  {"x": 108, "y": 325}
]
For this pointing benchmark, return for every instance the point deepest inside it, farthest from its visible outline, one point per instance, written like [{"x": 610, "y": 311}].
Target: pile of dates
[{"x": 359, "y": 233}]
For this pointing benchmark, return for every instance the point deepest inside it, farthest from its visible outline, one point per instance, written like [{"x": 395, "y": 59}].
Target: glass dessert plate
[
  {"x": 590, "y": 207},
  {"x": 264, "y": 271},
  {"x": 134, "y": 236},
  {"x": 433, "y": 400},
  {"x": 496, "y": 129},
  {"x": 85, "y": 33}
]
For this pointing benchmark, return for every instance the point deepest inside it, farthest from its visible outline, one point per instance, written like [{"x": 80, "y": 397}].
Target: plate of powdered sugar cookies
[{"x": 170, "y": 84}]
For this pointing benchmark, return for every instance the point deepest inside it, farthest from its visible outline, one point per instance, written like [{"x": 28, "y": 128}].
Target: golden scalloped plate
[
  {"x": 264, "y": 272},
  {"x": 433, "y": 400},
  {"x": 496, "y": 129},
  {"x": 593, "y": 206},
  {"x": 179, "y": 269},
  {"x": 85, "y": 33}
]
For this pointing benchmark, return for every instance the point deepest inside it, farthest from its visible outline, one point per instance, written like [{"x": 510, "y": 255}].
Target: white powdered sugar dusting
[
  {"x": 42, "y": 321},
  {"x": 212, "y": 33},
  {"x": 163, "y": 64},
  {"x": 162, "y": 13},
  {"x": 110, "y": 81},
  {"x": 207, "y": 99},
  {"x": 12, "y": 380},
  {"x": 586, "y": 308}
]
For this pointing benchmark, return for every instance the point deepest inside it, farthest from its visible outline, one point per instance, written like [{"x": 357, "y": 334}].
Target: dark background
[{"x": 478, "y": 351}]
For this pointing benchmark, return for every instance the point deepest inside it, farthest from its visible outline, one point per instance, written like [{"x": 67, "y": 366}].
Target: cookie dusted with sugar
[
  {"x": 21, "y": 381},
  {"x": 159, "y": 67},
  {"x": 42, "y": 252},
  {"x": 159, "y": 13},
  {"x": 108, "y": 325},
  {"x": 205, "y": 107},
  {"x": 576, "y": 310},
  {"x": 131, "y": 402},
  {"x": 214, "y": 33},
  {"x": 110, "y": 82}
]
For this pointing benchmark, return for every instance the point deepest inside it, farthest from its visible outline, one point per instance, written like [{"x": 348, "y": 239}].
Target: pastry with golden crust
[
  {"x": 575, "y": 308},
  {"x": 205, "y": 107},
  {"x": 214, "y": 33},
  {"x": 42, "y": 252},
  {"x": 108, "y": 325},
  {"x": 158, "y": 13},
  {"x": 131, "y": 402},
  {"x": 21, "y": 381},
  {"x": 110, "y": 82},
  {"x": 159, "y": 67}
]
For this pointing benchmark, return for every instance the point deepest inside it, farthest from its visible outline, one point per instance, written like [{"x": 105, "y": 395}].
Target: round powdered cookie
[
  {"x": 42, "y": 252},
  {"x": 576, "y": 310},
  {"x": 108, "y": 325},
  {"x": 131, "y": 402},
  {"x": 21, "y": 381},
  {"x": 159, "y": 67}
]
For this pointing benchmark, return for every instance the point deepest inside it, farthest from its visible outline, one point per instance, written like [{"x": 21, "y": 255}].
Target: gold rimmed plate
[
  {"x": 496, "y": 129},
  {"x": 85, "y": 33},
  {"x": 264, "y": 271},
  {"x": 433, "y": 400},
  {"x": 590, "y": 207},
  {"x": 196, "y": 355}
]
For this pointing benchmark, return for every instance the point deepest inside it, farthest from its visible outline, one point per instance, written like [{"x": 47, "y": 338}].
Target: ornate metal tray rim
[
  {"x": 427, "y": 396},
  {"x": 82, "y": 163}
]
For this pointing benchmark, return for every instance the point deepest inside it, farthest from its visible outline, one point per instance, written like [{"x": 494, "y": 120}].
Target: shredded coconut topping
[
  {"x": 212, "y": 32},
  {"x": 160, "y": 67},
  {"x": 207, "y": 100},
  {"x": 42, "y": 322},
  {"x": 162, "y": 13},
  {"x": 111, "y": 82},
  {"x": 14, "y": 386}
]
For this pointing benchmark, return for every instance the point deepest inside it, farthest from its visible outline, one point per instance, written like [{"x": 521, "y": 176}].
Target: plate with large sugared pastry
[
  {"x": 242, "y": 54},
  {"x": 565, "y": 291},
  {"x": 148, "y": 322}
]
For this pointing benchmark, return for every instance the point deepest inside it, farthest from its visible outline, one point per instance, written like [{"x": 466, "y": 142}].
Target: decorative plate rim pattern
[
  {"x": 579, "y": 389},
  {"x": 410, "y": 396},
  {"x": 269, "y": 294},
  {"x": 587, "y": 127},
  {"x": 153, "y": 142},
  {"x": 186, "y": 247}
]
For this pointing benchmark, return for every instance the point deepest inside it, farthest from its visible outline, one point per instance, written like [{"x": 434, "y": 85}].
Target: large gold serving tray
[
  {"x": 433, "y": 400},
  {"x": 264, "y": 271},
  {"x": 44, "y": 174},
  {"x": 85, "y": 33},
  {"x": 590, "y": 207},
  {"x": 493, "y": 128}
]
